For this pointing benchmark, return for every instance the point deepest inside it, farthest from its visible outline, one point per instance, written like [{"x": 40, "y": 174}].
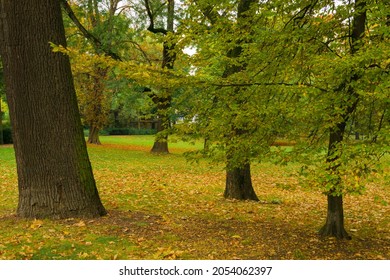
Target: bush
[
  {"x": 7, "y": 134},
  {"x": 131, "y": 131},
  {"x": 142, "y": 131},
  {"x": 118, "y": 131}
]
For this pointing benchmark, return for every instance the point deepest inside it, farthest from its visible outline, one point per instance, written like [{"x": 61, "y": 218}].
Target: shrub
[
  {"x": 131, "y": 131},
  {"x": 7, "y": 134},
  {"x": 142, "y": 131},
  {"x": 118, "y": 131}
]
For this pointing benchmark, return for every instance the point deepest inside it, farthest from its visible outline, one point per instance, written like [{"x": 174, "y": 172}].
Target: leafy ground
[{"x": 162, "y": 207}]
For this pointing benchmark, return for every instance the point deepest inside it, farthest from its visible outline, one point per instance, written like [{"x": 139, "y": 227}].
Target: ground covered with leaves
[{"x": 162, "y": 207}]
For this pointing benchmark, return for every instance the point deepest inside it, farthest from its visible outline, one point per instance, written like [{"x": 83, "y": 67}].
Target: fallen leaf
[
  {"x": 36, "y": 224},
  {"x": 80, "y": 224}
]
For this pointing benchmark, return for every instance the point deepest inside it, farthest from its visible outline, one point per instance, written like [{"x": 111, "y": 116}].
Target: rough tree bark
[
  {"x": 55, "y": 177},
  {"x": 334, "y": 225}
]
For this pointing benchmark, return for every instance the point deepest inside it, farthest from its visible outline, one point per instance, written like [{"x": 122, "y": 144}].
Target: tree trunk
[
  {"x": 163, "y": 103},
  {"x": 334, "y": 225},
  {"x": 55, "y": 177},
  {"x": 160, "y": 145},
  {"x": 238, "y": 178},
  {"x": 161, "y": 142},
  {"x": 239, "y": 184},
  {"x": 93, "y": 136}
]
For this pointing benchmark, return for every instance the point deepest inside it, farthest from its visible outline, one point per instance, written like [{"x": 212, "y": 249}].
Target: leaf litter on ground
[{"x": 162, "y": 207}]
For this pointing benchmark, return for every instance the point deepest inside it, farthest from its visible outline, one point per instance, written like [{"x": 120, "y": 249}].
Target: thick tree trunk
[
  {"x": 334, "y": 225},
  {"x": 93, "y": 136},
  {"x": 239, "y": 184},
  {"x": 55, "y": 177}
]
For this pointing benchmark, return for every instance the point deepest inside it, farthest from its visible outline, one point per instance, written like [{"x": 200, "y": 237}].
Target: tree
[
  {"x": 238, "y": 177},
  {"x": 334, "y": 225},
  {"x": 225, "y": 106},
  {"x": 346, "y": 69},
  {"x": 93, "y": 98},
  {"x": 164, "y": 98},
  {"x": 55, "y": 177},
  {"x": 112, "y": 36},
  {"x": 91, "y": 76}
]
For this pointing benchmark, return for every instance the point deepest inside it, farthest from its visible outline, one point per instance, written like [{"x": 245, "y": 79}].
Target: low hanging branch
[{"x": 88, "y": 35}]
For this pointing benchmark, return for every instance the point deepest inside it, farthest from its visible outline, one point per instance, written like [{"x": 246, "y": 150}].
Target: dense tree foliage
[{"x": 307, "y": 70}]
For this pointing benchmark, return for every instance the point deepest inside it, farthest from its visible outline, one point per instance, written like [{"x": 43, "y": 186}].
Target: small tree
[
  {"x": 239, "y": 106},
  {"x": 345, "y": 66}
]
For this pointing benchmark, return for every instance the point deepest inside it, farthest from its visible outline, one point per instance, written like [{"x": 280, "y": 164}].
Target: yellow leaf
[
  {"x": 82, "y": 255},
  {"x": 36, "y": 224},
  {"x": 80, "y": 224}
]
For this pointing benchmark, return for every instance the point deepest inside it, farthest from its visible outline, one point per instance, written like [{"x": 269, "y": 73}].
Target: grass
[{"x": 162, "y": 207}]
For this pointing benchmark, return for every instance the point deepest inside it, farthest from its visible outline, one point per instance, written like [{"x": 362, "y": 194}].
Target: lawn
[{"x": 163, "y": 207}]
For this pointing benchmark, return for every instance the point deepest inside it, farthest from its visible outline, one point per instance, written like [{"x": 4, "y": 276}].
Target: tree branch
[
  {"x": 302, "y": 13},
  {"x": 210, "y": 14},
  {"x": 151, "y": 27},
  {"x": 269, "y": 84},
  {"x": 88, "y": 35}
]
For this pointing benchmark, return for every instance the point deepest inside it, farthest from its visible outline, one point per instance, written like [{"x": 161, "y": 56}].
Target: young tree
[
  {"x": 222, "y": 114},
  {"x": 346, "y": 68},
  {"x": 55, "y": 177},
  {"x": 91, "y": 77},
  {"x": 334, "y": 225}
]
